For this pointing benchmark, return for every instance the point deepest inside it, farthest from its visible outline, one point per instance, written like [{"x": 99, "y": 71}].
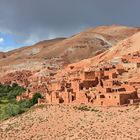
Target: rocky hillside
[
  {"x": 129, "y": 45},
  {"x": 2, "y": 55},
  {"x": 26, "y": 53},
  {"x": 62, "y": 122},
  {"x": 89, "y": 43},
  {"x": 83, "y": 45},
  {"x": 124, "y": 47}
]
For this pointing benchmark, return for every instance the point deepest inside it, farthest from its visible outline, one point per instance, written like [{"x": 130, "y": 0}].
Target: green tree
[
  {"x": 34, "y": 100},
  {"x": 12, "y": 110}
]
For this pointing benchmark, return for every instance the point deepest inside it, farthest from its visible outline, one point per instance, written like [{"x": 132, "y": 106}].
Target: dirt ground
[{"x": 70, "y": 122}]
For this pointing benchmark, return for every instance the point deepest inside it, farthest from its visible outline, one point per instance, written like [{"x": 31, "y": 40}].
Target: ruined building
[{"x": 101, "y": 85}]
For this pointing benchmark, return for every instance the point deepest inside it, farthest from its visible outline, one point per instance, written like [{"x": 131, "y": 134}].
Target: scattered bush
[
  {"x": 83, "y": 108},
  {"x": 86, "y": 108}
]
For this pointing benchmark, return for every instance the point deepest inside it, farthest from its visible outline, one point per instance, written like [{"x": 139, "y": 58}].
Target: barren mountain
[
  {"x": 129, "y": 45},
  {"x": 83, "y": 45},
  {"x": 89, "y": 43},
  {"x": 26, "y": 53}
]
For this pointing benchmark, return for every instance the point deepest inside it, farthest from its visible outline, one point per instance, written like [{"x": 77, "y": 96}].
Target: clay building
[
  {"x": 131, "y": 61},
  {"x": 116, "y": 94},
  {"x": 108, "y": 90},
  {"x": 99, "y": 85}
]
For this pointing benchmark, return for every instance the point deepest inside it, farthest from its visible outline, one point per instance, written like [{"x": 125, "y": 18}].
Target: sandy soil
[{"x": 66, "y": 122}]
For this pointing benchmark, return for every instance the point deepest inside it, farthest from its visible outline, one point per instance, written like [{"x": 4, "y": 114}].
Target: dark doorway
[
  {"x": 61, "y": 100},
  {"x": 102, "y": 102}
]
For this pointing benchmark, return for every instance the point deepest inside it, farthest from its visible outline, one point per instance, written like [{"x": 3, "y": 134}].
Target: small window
[
  {"x": 57, "y": 94},
  {"x": 73, "y": 98},
  {"x": 101, "y": 102},
  {"x": 102, "y": 96},
  {"x": 61, "y": 100}
]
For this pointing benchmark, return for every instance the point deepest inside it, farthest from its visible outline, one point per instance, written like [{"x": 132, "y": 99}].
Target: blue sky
[{"x": 8, "y": 42}]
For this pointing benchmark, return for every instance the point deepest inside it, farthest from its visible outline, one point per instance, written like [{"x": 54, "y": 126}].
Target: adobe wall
[
  {"x": 89, "y": 84},
  {"x": 124, "y": 98},
  {"x": 81, "y": 98},
  {"x": 89, "y": 75},
  {"x": 109, "y": 100},
  {"x": 57, "y": 97}
]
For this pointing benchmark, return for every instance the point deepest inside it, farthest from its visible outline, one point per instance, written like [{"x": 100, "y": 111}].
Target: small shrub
[
  {"x": 94, "y": 110},
  {"x": 83, "y": 108},
  {"x": 34, "y": 100},
  {"x": 86, "y": 108}
]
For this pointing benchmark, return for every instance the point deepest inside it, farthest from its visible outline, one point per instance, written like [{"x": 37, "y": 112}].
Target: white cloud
[
  {"x": 1, "y": 40},
  {"x": 32, "y": 39}
]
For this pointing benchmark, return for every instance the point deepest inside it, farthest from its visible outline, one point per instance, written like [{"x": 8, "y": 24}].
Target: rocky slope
[
  {"x": 83, "y": 45},
  {"x": 124, "y": 47},
  {"x": 27, "y": 53},
  {"x": 2, "y": 55},
  {"x": 62, "y": 122},
  {"x": 89, "y": 43}
]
